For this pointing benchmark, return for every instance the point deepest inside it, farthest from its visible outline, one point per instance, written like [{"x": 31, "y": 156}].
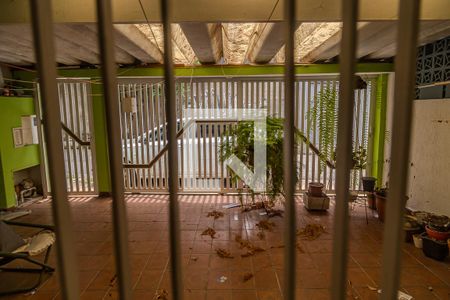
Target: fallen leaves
[
  {"x": 223, "y": 253},
  {"x": 245, "y": 244},
  {"x": 113, "y": 280},
  {"x": 162, "y": 294},
  {"x": 209, "y": 231},
  {"x": 311, "y": 232},
  {"x": 265, "y": 225},
  {"x": 247, "y": 277},
  {"x": 261, "y": 235},
  {"x": 299, "y": 248},
  {"x": 216, "y": 214}
]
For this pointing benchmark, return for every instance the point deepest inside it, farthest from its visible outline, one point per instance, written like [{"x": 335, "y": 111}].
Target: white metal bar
[
  {"x": 174, "y": 227},
  {"x": 405, "y": 70},
  {"x": 344, "y": 148},
  {"x": 288, "y": 151},
  {"x": 119, "y": 214},
  {"x": 41, "y": 13}
]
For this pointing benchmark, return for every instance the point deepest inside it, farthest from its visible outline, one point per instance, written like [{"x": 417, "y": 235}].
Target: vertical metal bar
[
  {"x": 302, "y": 129},
  {"x": 78, "y": 131},
  {"x": 344, "y": 147},
  {"x": 405, "y": 70},
  {"x": 64, "y": 119},
  {"x": 315, "y": 160},
  {"x": 120, "y": 225},
  {"x": 174, "y": 226},
  {"x": 41, "y": 14},
  {"x": 288, "y": 150},
  {"x": 308, "y": 130},
  {"x": 84, "y": 135},
  {"x": 92, "y": 152}
]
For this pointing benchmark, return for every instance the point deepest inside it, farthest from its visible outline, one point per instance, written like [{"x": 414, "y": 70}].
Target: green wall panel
[{"x": 13, "y": 159}]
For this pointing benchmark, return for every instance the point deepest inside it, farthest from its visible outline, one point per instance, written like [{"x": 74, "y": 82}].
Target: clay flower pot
[
  {"x": 381, "y": 205},
  {"x": 437, "y": 235}
]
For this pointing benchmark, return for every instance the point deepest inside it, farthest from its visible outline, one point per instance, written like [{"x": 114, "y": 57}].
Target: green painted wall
[
  {"x": 100, "y": 138},
  {"x": 13, "y": 159},
  {"x": 379, "y": 129},
  {"x": 216, "y": 71},
  {"x": 104, "y": 184}
]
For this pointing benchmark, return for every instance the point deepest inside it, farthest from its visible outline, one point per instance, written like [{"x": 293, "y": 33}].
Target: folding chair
[{"x": 14, "y": 247}]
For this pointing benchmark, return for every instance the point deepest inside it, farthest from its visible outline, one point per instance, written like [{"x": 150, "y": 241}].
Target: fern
[{"x": 324, "y": 115}]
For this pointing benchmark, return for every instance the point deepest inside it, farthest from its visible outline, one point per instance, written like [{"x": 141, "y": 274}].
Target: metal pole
[
  {"x": 347, "y": 64},
  {"x": 41, "y": 13},
  {"x": 288, "y": 151},
  {"x": 120, "y": 225},
  {"x": 171, "y": 117},
  {"x": 405, "y": 70}
]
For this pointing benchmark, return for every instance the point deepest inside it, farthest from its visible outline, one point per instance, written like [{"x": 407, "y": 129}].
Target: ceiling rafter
[{"x": 205, "y": 40}]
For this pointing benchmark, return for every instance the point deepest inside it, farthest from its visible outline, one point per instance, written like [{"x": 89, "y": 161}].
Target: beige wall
[{"x": 429, "y": 180}]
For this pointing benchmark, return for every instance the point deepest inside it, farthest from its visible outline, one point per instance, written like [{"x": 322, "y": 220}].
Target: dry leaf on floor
[
  {"x": 223, "y": 253},
  {"x": 113, "y": 280},
  {"x": 162, "y": 294},
  {"x": 209, "y": 231},
  {"x": 372, "y": 288},
  {"x": 194, "y": 258},
  {"x": 279, "y": 246},
  {"x": 216, "y": 214},
  {"x": 247, "y": 277},
  {"x": 252, "y": 249},
  {"x": 265, "y": 225},
  {"x": 299, "y": 248},
  {"x": 275, "y": 213},
  {"x": 311, "y": 232},
  {"x": 261, "y": 235},
  {"x": 253, "y": 206}
]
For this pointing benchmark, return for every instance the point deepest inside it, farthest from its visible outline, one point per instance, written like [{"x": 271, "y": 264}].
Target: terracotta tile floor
[{"x": 206, "y": 276}]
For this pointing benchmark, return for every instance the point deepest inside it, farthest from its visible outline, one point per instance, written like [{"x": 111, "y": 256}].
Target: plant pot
[
  {"x": 315, "y": 189},
  {"x": 371, "y": 202},
  {"x": 411, "y": 232},
  {"x": 369, "y": 184},
  {"x": 417, "y": 239},
  {"x": 434, "y": 248},
  {"x": 316, "y": 203},
  {"x": 437, "y": 235},
  {"x": 381, "y": 203}
]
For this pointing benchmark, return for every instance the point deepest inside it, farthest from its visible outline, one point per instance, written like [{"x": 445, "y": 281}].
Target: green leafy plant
[
  {"x": 323, "y": 115},
  {"x": 239, "y": 141}
]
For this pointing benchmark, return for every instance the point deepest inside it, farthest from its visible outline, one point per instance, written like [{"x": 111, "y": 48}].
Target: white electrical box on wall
[
  {"x": 29, "y": 130},
  {"x": 129, "y": 105}
]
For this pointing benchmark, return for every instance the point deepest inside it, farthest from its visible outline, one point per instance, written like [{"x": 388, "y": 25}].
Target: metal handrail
[{"x": 74, "y": 136}]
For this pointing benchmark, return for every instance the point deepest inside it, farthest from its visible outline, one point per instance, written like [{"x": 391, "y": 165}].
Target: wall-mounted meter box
[
  {"x": 29, "y": 130},
  {"x": 129, "y": 105}
]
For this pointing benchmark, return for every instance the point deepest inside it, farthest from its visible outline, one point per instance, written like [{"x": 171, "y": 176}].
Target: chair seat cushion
[
  {"x": 38, "y": 243},
  {"x": 9, "y": 239}
]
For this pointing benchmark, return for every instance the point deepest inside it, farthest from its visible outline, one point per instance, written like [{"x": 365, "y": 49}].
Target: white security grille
[{"x": 144, "y": 138}]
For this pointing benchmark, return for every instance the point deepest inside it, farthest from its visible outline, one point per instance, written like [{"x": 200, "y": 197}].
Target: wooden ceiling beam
[
  {"x": 129, "y": 38},
  {"x": 205, "y": 39},
  {"x": 87, "y": 39}
]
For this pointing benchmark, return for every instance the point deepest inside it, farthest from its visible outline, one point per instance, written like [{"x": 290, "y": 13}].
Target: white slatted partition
[
  {"x": 144, "y": 138},
  {"x": 78, "y": 140}
]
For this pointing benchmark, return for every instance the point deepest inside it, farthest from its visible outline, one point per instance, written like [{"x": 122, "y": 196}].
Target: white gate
[
  {"x": 78, "y": 140},
  {"x": 144, "y": 139}
]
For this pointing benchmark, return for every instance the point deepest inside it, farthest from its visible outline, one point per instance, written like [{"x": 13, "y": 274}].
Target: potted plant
[
  {"x": 436, "y": 249},
  {"x": 239, "y": 141},
  {"x": 380, "y": 196},
  {"x": 438, "y": 227}
]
